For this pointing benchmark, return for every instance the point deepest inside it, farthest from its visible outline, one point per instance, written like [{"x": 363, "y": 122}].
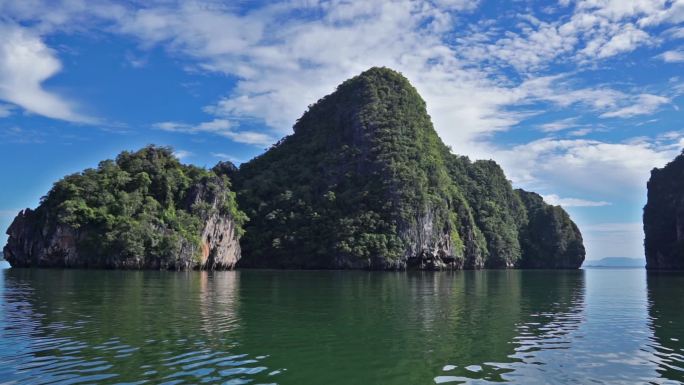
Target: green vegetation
[
  {"x": 550, "y": 239},
  {"x": 144, "y": 206},
  {"x": 497, "y": 210},
  {"x": 365, "y": 181}
]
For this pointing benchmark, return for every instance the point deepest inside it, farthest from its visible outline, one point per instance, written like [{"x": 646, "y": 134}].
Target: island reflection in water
[
  {"x": 337, "y": 327},
  {"x": 666, "y": 310}
]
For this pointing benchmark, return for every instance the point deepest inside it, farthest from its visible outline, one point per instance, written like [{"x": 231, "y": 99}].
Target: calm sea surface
[{"x": 321, "y": 327}]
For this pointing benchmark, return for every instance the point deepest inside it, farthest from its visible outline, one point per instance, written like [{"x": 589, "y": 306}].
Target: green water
[{"x": 323, "y": 327}]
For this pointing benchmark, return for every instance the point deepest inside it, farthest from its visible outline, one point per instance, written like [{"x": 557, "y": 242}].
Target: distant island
[
  {"x": 616, "y": 262},
  {"x": 364, "y": 182}
]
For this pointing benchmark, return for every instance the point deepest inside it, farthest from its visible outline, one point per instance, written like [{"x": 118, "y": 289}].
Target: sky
[{"x": 577, "y": 99}]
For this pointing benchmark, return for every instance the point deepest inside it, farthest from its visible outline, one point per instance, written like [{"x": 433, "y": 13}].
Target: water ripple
[{"x": 109, "y": 327}]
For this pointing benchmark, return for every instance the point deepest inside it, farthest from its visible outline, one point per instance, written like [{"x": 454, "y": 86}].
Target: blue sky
[{"x": 576, "y": 99}]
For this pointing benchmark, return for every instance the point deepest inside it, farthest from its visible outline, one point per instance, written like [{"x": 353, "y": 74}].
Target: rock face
[
  {"x": 549, "y": 238},
  {"x": 144, "y": 211},
  {"x": 220, "y": 240},
  {"x": 365, "y": 182},
  {"x": 29, "y": 245},
  {"x": 664, "y": 217}
]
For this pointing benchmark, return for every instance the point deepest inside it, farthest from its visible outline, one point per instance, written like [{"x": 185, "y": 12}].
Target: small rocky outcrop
[
  {"x": 664, "y": 217},
  {"x": 144, "y": 211}
]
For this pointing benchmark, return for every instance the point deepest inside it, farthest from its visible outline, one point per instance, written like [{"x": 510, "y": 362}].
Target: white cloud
[
  {"x": 460, "y": 5},
  {"x": 675, "y": 33},
  {"x": 220, "y": 127},
  {"x": 562, "y": 94},
  {"x": 46, "y": 16},
  {"x": 534, "y": 47},
  {"x": 596, "y": 30},
  {"x": 628, "y": 39},
  {"x": 556, "y": 200},
  {"x": 581, "y": 132},
  {"x": 182, "y": 154},
  {"x": 644, "y": 104},
  {"x": 672, "y": 56},
  {"x": 620, "y": 9},
  {"x": 668, "y": 12},
  {"x": 610, "y": 103},
  {"x": 25, "y": 63},
  {"x": 135, "y": 61},
  {"x": 216, "y": 126},
  {"x": 224, "y": 156},
  {"x": 587, "y": 167},
  {"x": 559, "y": 125}
]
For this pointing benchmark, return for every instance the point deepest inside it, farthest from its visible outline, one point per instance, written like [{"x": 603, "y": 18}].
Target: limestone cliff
[
  {"x": 664, "y": 217},
  {"x": 548, "y": 237}
]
